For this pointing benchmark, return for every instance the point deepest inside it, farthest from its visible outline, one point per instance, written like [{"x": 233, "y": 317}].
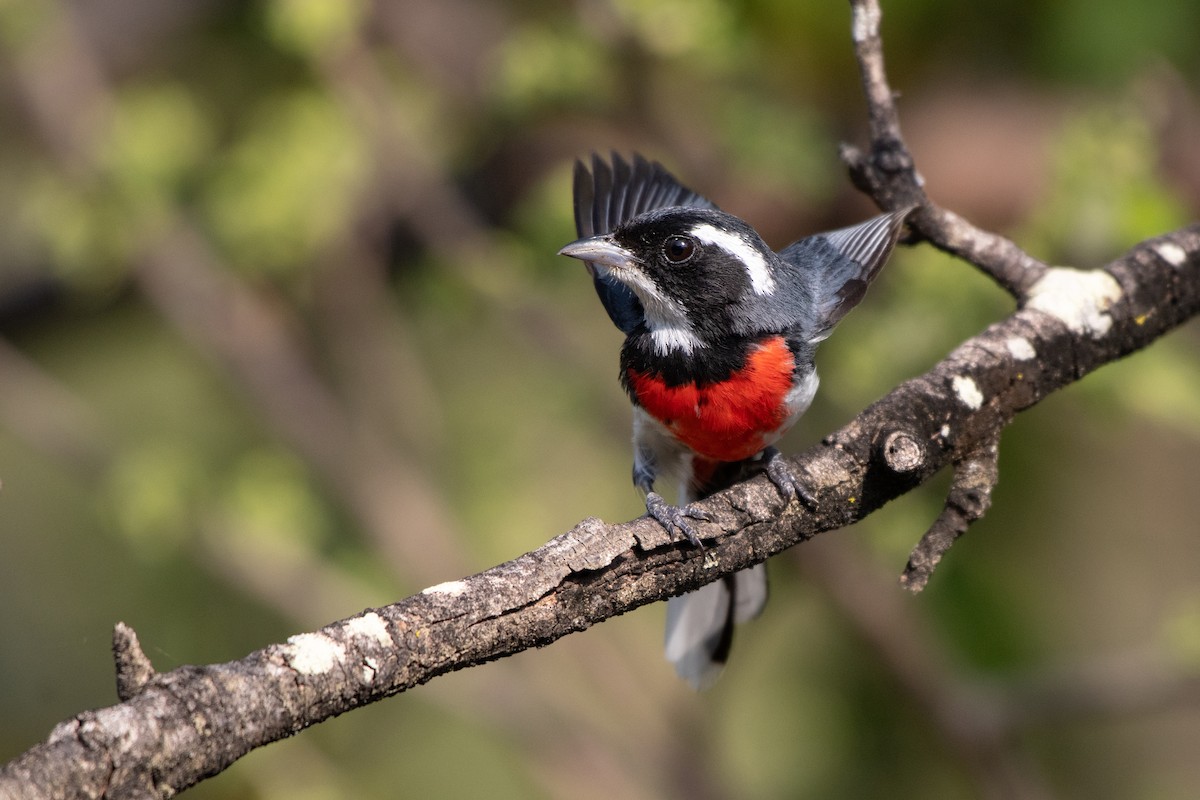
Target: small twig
[
  {"x": 888, "y": 174},
  {"x": 134, "y": 669},
  {"x": 969, "y": 498}
]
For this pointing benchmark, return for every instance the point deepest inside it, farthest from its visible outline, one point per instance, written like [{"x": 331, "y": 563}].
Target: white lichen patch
[
  {"x": 967, "y": 391},
  {"x": 866, "y": 24},
  {"x": 370, "y": 668},
  {"x": 370, "y": 626},
  {"x": 1171, "y": 253},
  {"x": 314, "y": 653},
  {"x": 452, "y": 588},
  {"x": 1080, "y": 299},
  {"x": 1020, "y": 348}
]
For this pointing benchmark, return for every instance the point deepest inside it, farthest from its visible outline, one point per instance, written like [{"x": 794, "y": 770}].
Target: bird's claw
[
  {"x": 785, "y": 479},
  {"x": 675, "y": 518}
]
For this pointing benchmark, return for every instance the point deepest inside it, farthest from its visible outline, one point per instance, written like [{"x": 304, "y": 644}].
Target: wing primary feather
[
  {"x": 650, "y": 200},
  {"x": 641, "y": 178},
  {"x": 841, "y": 264},
  {"x": 870, "y": 242},
  {"x": 618, "y": 210},
  {"x": 602, "y": 186},
  {"x": 585, "y": 198}
]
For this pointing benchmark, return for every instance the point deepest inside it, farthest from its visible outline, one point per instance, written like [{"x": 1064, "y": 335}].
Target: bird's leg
[
  {"x": 785, "y": 478},
  {"x": 675, "y": 519}
]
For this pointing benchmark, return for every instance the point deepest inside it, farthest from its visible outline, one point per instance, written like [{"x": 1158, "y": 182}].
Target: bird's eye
[{"x": 679, "y": 249}]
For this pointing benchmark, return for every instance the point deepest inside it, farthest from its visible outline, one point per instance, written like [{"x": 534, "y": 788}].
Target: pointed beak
[{"x": 600, "y": 250}]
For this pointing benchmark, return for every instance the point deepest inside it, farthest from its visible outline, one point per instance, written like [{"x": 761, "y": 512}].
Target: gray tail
[{"x": 700, "y": 623}]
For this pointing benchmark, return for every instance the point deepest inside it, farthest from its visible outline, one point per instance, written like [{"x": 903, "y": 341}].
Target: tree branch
[
  {"x": 887, "y": 172},
  {"x": 192, "y": 722},
  {"x": 969, "y": 499},
  {"x": 1081, "y": 300}
]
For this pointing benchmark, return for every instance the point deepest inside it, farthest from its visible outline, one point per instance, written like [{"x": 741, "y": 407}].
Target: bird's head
[{"x": 689, "y": 268}]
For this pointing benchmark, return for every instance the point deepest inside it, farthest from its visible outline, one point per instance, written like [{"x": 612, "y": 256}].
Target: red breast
[{"x": 729, "y": 420}]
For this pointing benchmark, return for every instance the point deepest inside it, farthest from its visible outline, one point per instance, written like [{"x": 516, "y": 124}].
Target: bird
[{"x": 718, "y": 359}]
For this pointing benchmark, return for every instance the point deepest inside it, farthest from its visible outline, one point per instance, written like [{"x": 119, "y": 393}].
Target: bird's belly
[{"x": 733, "y": 419}]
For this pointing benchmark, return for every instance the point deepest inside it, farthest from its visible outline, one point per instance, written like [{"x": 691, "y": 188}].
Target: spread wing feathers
[
  {"x": 842, "y": 263},
  {"x": 606, "y": 196},
  {"x": 700, "y": 623}
]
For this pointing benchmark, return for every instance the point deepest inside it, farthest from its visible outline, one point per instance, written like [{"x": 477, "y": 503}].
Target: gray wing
[
  {"x": 606, "y": 196},
  {"x": 839, "y": 265}
]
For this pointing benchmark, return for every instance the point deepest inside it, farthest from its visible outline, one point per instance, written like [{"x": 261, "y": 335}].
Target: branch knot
[
  {"x": 134, "y": 669},
  {"x": 902, "y": 452}
]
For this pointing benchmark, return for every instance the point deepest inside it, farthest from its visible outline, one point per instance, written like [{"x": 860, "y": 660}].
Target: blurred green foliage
[
  {"x": 284, "y": 337},
  {"x": 1091, "y": 212},
  {"x": 259, "y": 195}
]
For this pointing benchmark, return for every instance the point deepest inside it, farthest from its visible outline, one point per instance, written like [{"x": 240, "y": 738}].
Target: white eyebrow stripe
[{"x": 761, "y": 280}]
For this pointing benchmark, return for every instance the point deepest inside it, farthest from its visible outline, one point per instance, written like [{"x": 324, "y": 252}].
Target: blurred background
[{"x": 283, "y": 335}]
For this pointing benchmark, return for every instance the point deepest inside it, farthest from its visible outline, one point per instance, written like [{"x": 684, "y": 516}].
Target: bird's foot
[
  {"x": 676, "y": 518},
  {"x": 785, "y": 478}
]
